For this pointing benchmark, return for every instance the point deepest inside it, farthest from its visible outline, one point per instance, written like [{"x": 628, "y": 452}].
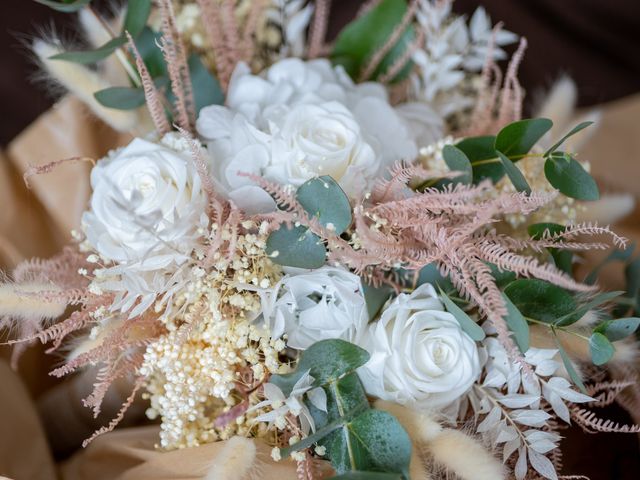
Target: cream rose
[
  {"x": 419, "y": 354},
  {"x": 147, "y": 206},
  {"x": 317, "y": 305}
]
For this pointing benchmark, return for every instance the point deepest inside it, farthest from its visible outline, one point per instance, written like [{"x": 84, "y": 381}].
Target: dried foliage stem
[{"x": 319, "y": 28}]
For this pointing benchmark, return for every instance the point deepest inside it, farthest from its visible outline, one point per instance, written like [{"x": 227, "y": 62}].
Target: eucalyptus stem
[{"x": 556, "y": 327}]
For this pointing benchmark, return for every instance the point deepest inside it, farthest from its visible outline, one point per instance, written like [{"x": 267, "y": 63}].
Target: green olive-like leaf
[
  {"x": 517, "y": 324},
  {"x": 481, "y": 153},
  {"x": 568, "y": 365},
  {"x": 514, "y": 174},
  {"x": 601, "y": 349},
  {"x": 567, "y": 175},
  {"x": 574, "y": 130},
  {"x": 136, "y": 17},
  {"x": 470, "y": 327},
  {"x": 121, "y": 98},
  {"x": 91, "y": 56},
  {"x": 296, "y": 247}
]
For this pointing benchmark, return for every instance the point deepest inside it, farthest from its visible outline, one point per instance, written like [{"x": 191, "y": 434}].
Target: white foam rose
[
  {"x": 147, "y": 206},
  {"x": 419, "y": 354},
  {"x": 301, "y": 119},
  {"x": 309, "y": 306}
]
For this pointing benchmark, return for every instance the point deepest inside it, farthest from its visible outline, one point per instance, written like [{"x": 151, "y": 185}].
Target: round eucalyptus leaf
[
  {"x": 517, "y": 138},
  {"x": 296, "y": 247},
  {"x": 601, "y": 349},
  {"x": 540, "y": 300},
  {"x": 322, "y": 198},
  {"x": 567, "y": 175}
]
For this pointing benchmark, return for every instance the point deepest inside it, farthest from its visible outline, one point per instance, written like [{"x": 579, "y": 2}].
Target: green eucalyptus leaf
[
  {"x": 481, "y": 153},
  {"x": 502, "y": 277},
  {"x": 456, "y": 160},
  {"x": 322, "y": 198},
  {"x": 514, "y": 174},
  {"x": 362, "y": 38},
  {"x": 296, "y": 247},
  {"x": 91, "y": 56},
  {"x": 618, "y": 329},
  {"x": 375, "y": 298},
  {"x": 573, "y": 131},
  {"x": 601, "y": 349},
  {"x": 65, "y": 7},
  {"x": 518, "y": 138},
  {"x": 568, "y": 365},
  {"x": 470, "y": 327},
  {"x": 374, "y": 440},
  {"x": 121, "y": 98},
  {"x": 206, "y": 89},
  {"x": 540, "y": 300},
  {"x": 147, "y": 45},
  {"x": 136, "y": 17},
  {"x": 330, "y": 359},
  {"x": 517, "y": 324},
  {"x": 567, "y": 175},
  {"x": 358, "y": 475}
]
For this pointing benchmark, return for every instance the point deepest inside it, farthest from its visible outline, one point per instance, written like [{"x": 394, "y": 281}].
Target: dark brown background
[{"x": 594, "y": 41}]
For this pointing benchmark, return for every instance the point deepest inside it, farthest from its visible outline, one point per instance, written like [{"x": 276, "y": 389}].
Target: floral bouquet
[{"x": 356, "y": 252}]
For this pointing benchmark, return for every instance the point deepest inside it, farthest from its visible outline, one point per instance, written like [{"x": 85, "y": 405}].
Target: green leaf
[
  {"x": 632, "y": 276},
  {"x": 618, "y": 329},
  {"x": 567, "y": 175},
  {"x": 601, "y": 349},
  {"x": 573, "y": 131},
  {"x": 470, "y": 327},
  {"x": 323, "y": 199},
  {"x": 356, "y": 475},
  {"x": 91, "y": 56},
  {"x": 568, "y": 365},
  {"x": 517, "y": 324},
  {"x": 360, "y": 39},
  {"x": 147, "y": 45},
  {"x": 330, "y": 359},
  {"x": 540, "y": 300},
  {"x": 456, "y": 160},
  {"x": 517, "y": 138},
  {"x": 206, "y": 89},
  {"x": 596, "y": 301},
  {"x": 502, "y": 277},
  {"x": 375, "y": 298},
  {"x": 481, "y": 153},
  {"x": 296, "y": 247},
  {"x": 374, "y": 440},
  {"x": 137, "y": 15},
  {"x": 121, "y": 98},
  {"x": 514, "y": 174},
  {"x": 65, "y": 7}
]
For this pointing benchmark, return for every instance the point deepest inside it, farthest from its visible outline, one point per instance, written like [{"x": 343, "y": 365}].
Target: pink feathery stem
[
  {"x": 231, "y": 32},
  {"x": 402, "y": 61},
  {"x": 319, "y": 27},
  {"x": 511, "y": 100},
  {"x": 253, "y": 17},
  {"x": 154, "y": 102},
  {"x": 49, "y": 167},
  {"x": 393, "y": 39},
  {"x": 213, "y": 26}
]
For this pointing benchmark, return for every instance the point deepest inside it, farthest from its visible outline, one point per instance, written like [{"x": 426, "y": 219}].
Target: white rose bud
[{"x": 419, "y": 354}]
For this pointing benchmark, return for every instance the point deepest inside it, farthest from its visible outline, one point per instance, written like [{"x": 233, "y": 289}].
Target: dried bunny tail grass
[
  {"x": 318, "y": 28},
  {"x": 445, "y": 445},
  {"x": 153, "y": 97},
  {"x": 22, "y": 301},
  {"x": 234, "y": 461},
  {"x": 83, "y": 83}
]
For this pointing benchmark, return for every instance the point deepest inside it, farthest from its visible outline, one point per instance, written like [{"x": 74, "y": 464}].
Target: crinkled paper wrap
[{"x": 38, "y": 222}]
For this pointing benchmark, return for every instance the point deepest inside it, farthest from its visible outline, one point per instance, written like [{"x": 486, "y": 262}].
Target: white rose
[
  {"x": 147, "y": 206},
  {"x": 419, "y": 354},
  {"x": 302, "y": 119},
  {"x": 318, "y": 305}
]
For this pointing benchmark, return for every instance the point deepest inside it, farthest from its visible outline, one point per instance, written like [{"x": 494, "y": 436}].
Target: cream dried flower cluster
[{"x": 309, "y": 226}]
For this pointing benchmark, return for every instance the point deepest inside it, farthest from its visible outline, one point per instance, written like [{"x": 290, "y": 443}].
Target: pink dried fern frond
[{"x": 590, "y": 423}]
